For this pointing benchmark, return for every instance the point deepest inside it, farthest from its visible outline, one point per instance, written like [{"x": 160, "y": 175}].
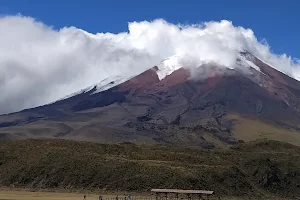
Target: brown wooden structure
[{"x": 181, "y": 194}]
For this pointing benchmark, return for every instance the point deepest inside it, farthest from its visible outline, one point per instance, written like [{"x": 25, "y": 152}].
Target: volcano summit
[{"x": 173, "y": 103}]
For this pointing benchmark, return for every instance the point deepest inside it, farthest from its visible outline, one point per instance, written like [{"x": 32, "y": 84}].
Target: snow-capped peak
[
  {"x": 172, "y": 63},
  {"x": 165, "y": 68},
  {"x": 168, "y": 65}
]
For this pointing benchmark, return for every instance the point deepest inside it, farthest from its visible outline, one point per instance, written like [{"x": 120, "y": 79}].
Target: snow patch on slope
[
  {"x": 247, "y": 60},
  {"x": 111, "y": 82},
  {"x": 101, "y": 86},
  {"x": 251, "y": 64},
  {"x": 82, "y": 91},
  {"x": 168, "y": 65}
]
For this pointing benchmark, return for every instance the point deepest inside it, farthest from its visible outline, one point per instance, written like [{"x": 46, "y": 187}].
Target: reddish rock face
[
  {"x": 276, "y": 84},
  {"x": 177, "y": 77},
  {"x": 145, "y": 80},
  {"x": 271, "y": 72},
  {"x": 210, "y": 83},
  {"x": 149, "y": 82}
]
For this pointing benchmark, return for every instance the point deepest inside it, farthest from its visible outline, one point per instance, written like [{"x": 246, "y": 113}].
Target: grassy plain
[{"x": 42, "y": 195}]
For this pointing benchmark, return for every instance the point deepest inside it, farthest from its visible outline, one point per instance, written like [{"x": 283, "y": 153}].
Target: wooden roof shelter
[
  {"x": 182, "y": 191},
  {"x": 189, "y": 193}
]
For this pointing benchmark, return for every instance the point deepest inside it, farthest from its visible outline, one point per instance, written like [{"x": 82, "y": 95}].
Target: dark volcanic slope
[{"x": 223, "y": 109}]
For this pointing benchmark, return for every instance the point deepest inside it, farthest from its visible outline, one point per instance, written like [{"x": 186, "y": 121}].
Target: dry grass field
[
  {"x": 22, "y": 194},
  {"x": 250, "y": 129},
  {"x": 41, "y": 195},
  {"x": 26, "y": 195}
]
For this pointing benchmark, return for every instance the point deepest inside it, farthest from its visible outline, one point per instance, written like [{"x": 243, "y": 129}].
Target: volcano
[{"x": 207, "y": 106}]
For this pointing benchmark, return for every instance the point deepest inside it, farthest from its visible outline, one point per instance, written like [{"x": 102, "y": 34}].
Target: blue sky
[{"x": 277, "y": 21}]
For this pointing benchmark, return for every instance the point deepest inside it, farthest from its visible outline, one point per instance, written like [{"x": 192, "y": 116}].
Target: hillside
[{"x": 264, "y": 168}]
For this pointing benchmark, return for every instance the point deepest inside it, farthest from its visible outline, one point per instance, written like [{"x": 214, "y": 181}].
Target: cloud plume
[{"x": 39, "y": 65}]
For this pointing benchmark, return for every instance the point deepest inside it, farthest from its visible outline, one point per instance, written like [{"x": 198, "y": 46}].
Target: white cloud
[{"x": 39, "y": 65}]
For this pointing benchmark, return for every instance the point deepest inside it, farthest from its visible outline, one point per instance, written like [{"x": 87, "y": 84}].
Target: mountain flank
[{"x": 207, "y": 107}]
